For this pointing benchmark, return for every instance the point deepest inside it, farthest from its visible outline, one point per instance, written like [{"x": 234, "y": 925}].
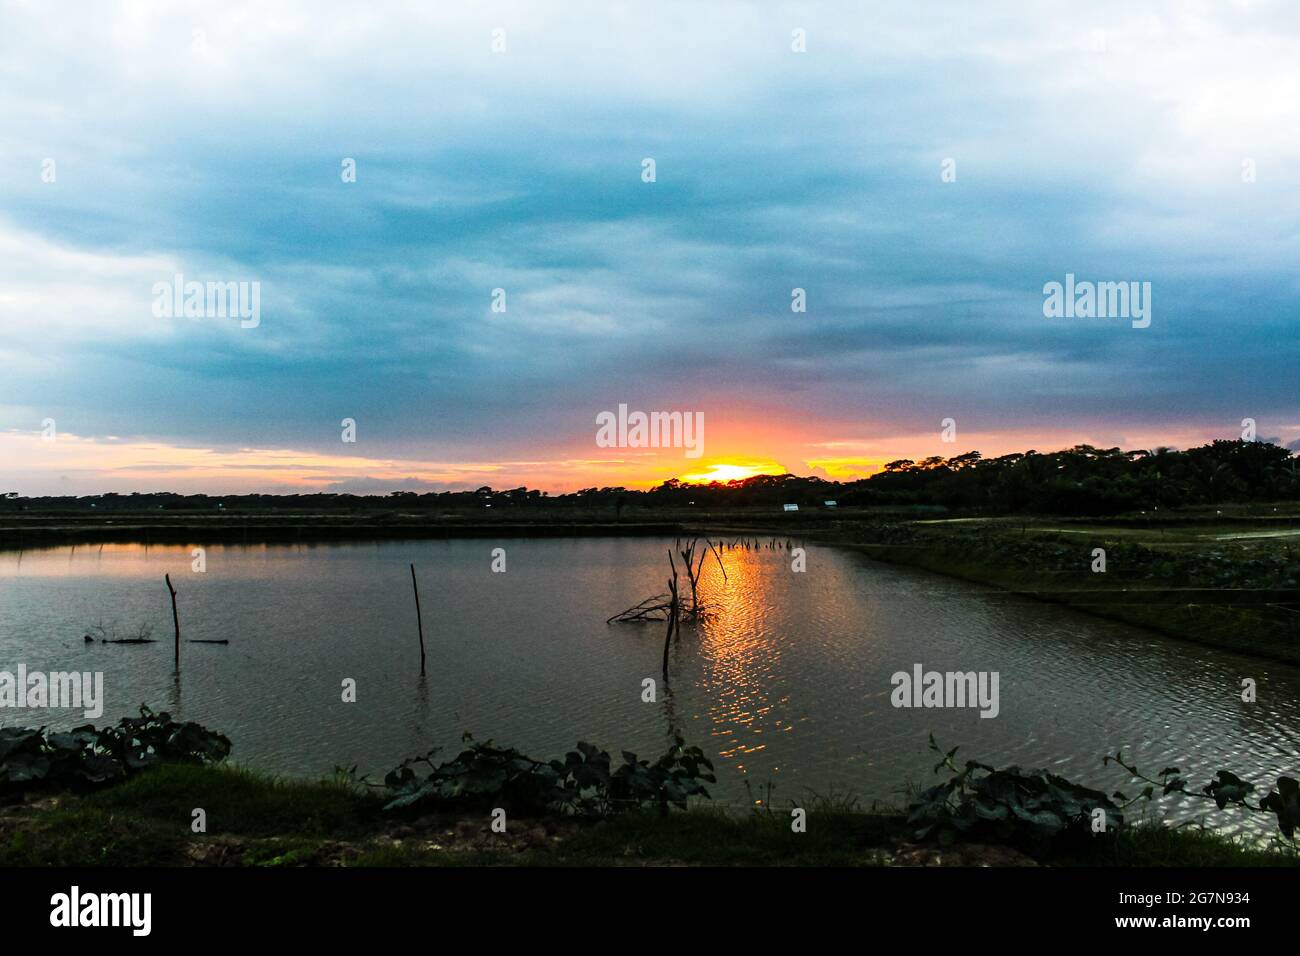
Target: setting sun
[{"x": 730, "y": 471}]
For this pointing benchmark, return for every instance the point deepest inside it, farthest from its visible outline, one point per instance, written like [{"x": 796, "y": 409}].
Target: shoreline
[
  {"x": 223, "y": 531},
  {"x": 1259, "y": 622},
  {"x": 1231, "y": 623}
]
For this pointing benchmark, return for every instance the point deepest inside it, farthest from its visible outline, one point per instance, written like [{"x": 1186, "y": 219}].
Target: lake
[{"x": 788, "y": 682}]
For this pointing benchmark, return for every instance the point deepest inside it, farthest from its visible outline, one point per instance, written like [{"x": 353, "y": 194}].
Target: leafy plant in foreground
[
  {"x": 1226, "y": 789},
  {"x": 581, "y": 783},
  {"x": 86, "y": 757},
  {"x": 1009, "y": 805}
]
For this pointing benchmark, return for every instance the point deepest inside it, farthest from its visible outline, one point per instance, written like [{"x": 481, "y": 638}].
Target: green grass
[
  {"x": 698, "y": 837},
  {"x": 147, "y": 820},
  {"x": 255, "y": 820},
  {"x": 1149, "y": 845},
  {"x": 81, "y": 835},
  {"x": 998, "y": 558},
  {"x": 712, "y": 837},
  {"x": 244, "y": 802}
]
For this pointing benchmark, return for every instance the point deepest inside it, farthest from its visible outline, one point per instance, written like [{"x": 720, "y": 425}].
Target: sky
[{"x": 919, "y": 170}]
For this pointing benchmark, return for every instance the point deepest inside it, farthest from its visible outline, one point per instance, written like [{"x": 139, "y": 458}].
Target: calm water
[{"x": 789, "y": 682}]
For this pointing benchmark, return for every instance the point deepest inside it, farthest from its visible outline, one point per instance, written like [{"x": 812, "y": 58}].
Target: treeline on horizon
[{"x": 1079, "y": 481}]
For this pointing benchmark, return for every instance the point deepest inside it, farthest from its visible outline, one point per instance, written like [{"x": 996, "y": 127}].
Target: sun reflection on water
[{"x": 740, "y": 655}]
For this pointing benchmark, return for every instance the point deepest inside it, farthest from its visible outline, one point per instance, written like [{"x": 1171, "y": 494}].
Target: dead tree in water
[
  {"x": 142, "y": 634},
  {"x": 693, "y": 570},
  {"x": 667, "y": 606},
  {"x": 717, "y": 553},
  {"x": 674, "y": 615},
  {"x": 175, "y": 619},
  {"x": 692, "y": 573}
]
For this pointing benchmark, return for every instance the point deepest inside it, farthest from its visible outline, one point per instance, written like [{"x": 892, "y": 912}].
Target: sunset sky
[{"x": 1094, "y": 139}]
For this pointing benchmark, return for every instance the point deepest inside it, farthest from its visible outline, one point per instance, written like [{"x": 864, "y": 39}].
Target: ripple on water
[{"x": 788, "y": 681}]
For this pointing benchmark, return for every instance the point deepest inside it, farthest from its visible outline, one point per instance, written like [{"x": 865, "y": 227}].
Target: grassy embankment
[
  {"x": 257, "y": 821},
  {"x": 1234, "y": 586}
]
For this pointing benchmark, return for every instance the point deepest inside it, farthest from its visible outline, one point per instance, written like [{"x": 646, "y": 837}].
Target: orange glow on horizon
[
  {"x": 76, "y": 464},
  {"x": 848, "y": 469},
  {"x": 724, "y": 471}
]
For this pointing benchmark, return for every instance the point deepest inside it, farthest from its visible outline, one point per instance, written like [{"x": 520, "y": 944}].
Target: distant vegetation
[{"x": 1079, "y": 481}]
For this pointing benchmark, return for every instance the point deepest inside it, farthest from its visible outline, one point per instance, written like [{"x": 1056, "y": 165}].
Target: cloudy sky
[{"x": 140, "y": 140}]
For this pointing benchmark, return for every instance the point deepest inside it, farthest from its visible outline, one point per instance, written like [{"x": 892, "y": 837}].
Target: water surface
[{"x": 787, "y": 683}]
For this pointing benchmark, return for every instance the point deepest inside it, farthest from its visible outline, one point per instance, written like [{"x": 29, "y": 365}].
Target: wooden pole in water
[
  {"x": 176, "y": 620},
  {"x": 672, "y": 624},
  {"x": 673, "y": 613},
  {"x": 419, "y": 619}
]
